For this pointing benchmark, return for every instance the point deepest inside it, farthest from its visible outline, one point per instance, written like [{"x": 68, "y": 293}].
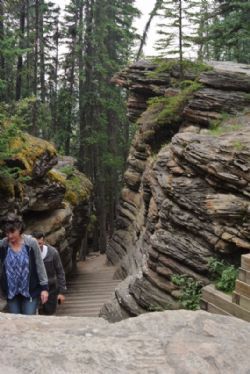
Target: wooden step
[
  {"x": 224, "y": 301},
  {"x": 241, "y": 300},
  {"x": 245, "y": 262},
  {"x": 90, "y": 287},
  {"x": 211, "y": 308},
  {"x": 242, "y": 288},
  {"x": 244, "y": 276}
]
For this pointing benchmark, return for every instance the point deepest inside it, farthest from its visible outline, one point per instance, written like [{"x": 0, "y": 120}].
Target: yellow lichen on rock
[
  {"x": 78, "y": 186},
  {"x": 27, "y": 149},
  {"x": 57, "y": 177}
]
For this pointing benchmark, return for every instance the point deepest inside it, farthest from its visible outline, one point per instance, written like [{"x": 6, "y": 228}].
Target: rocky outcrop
[
  {"x": 186, "y": 194},
  {"x": 167, "y": 342},
  {"x": 52, "y": 196}
]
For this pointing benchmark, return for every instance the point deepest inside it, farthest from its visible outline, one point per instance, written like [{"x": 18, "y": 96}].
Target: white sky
[{"x": 145, "y": 6}]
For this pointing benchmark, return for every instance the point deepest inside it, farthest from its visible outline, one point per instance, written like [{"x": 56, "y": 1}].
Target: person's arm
[
  {"x": 41, "y": 271},
  {"x": 60, "y": 277},
  {"x": 59, "y": 273}
]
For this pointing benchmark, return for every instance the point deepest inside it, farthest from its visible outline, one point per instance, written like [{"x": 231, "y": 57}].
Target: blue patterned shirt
[{"x": 17, "y": 271}]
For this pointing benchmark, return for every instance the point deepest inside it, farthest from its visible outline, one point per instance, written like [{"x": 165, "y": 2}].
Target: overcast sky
[{"x": 145, "y": 6}]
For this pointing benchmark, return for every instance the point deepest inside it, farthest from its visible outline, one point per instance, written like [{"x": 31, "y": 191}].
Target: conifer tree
[
  {"x": 173, "y": 30},
  {"x": 229, "y": 35}
]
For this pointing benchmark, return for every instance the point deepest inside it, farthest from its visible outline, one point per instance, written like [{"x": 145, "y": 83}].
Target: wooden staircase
[
  {"x": 237, "y": 304},
  {"x": 89, "y": 288}
]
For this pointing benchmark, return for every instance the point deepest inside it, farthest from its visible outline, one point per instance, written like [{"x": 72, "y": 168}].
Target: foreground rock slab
[{"x": 170, "y": 342}]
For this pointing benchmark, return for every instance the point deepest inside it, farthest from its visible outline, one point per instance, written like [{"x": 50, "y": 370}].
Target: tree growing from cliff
[{"x": 176, "y": 28}]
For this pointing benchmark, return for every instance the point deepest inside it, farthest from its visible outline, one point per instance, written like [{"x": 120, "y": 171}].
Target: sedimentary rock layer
[{"x": 187, "y": 181}]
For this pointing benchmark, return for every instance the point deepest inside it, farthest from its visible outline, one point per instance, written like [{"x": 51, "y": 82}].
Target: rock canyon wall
[
  {"x": 50, "y": 194},
  {"x": 186, "y": 194}
]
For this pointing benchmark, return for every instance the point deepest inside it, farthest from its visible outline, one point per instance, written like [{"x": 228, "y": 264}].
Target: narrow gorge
[{"x": 185, "y": 200}]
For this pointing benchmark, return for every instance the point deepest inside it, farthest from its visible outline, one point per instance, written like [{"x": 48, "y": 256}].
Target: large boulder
[{"x": 171, "y": 342}]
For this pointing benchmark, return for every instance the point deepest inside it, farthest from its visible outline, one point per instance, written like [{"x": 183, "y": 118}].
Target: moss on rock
[
  {"x": 78, "y": 186},
  {"x": 172, "y": 106},
  {"x": 28, "y": 149},
  {"x": 172, "y": 66}
]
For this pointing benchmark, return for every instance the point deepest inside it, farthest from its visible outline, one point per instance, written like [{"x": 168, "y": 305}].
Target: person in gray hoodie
[
  {"x": 23, "y": 278},
  {"x": 55, "y": 273}
]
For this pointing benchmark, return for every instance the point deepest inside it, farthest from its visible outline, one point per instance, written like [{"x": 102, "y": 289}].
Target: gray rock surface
[{"x": 173, "y": 342}]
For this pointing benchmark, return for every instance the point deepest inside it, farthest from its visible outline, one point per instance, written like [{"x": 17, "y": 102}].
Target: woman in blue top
[{"x": 23, "y": 276}]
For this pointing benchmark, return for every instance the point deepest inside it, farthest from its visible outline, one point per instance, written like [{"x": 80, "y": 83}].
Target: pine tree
[
  {"x": 173, "y": 30},
  {"x": 230, "y": 32}
]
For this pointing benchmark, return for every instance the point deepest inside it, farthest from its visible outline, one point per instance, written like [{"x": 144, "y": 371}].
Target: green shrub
[
  {"x": 190, "y": 291},
  {"x": 224, "y": 275}
]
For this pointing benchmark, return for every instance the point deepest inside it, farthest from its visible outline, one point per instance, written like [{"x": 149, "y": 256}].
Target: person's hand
[
  {"x": 60, "y": 298},
  {"x": 44, "y": 297}
]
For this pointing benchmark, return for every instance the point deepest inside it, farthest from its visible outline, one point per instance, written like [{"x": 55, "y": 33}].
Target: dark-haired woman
[{"x": 23, "y": 276}]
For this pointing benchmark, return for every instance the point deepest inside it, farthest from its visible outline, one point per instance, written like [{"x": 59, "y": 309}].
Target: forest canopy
[{"x": 56, "y": 67}]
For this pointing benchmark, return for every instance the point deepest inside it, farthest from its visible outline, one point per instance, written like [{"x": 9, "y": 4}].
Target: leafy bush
[
  {"x": 190, "y": 291},
  {"x": 225, "y": 275}
]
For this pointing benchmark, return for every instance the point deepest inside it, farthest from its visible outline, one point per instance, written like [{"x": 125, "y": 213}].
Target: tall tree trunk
[
  {"x": 41, "y": 45},
  {"x": 20, "y": 57},
  {"x": 54, "y": 103},
  {"x": 180, "y": 39},
  {"x": 2, "y": 59},
  {"x": 86, "y": 91},
  {"x": 101, "y": 215},
  {"x": 77, "y": 25},
  {"x": 36, "y": 43},
  {"x": 28, "y": 54}
]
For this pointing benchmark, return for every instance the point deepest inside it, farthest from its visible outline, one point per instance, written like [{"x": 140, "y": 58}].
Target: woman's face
[{"x": 13, "y": 236}]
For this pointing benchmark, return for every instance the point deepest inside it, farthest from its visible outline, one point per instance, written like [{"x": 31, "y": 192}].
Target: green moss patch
[
  {"x": 172, "y": 106},
  {"x": 171, "y": 66},
  {"x": 27, "y": 149},
  {"x": 78, "y": 186}
]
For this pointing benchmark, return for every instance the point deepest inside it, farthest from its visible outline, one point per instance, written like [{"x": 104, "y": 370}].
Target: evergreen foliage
[
  {"x": 69, "y": 98},
  {"x": 229, "y": 33}
]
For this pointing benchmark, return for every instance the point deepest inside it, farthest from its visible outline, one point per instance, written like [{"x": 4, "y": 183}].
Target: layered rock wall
[
  {"x": 51, "y": 196},
  {"x": 186, "y": 196}
]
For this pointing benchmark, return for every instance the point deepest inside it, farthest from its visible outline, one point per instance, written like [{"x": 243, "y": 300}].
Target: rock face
[
  {"x": 169, "y": 342},
  {"x": 186, "y": 196},
  {"x": 51, "y": 196}
]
